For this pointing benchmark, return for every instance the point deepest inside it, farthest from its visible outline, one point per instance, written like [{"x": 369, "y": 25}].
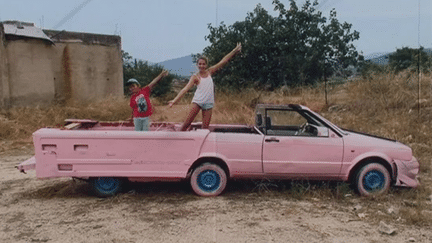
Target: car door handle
[{"x": 270, "y": 140}]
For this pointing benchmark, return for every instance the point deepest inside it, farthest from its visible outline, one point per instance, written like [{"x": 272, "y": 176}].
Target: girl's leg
[
  {"x": 190, "y": 117},
  {"x": 206, "y": 117}
]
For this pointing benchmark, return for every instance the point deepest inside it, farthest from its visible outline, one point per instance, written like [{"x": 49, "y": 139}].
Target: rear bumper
[
  {"x": 29, "y": 164},
  {"x": 407, "y": 173}
]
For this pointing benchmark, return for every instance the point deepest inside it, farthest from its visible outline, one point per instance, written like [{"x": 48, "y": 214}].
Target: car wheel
[
  {"x": 106, "y": 186},
  {"x": 208, "y": 180},
  {"x": 372, "y": 179}
]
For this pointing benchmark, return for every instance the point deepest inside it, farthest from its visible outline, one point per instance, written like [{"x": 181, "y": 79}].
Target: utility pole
[
  {"x": 217, "y": 14},
  {"x": 418, "y": 60}
]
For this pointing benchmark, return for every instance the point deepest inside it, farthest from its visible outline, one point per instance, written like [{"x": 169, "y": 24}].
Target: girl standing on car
[{"x": 204, "y": 95}]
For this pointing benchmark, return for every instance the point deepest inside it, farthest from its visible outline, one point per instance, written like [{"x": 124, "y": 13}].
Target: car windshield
[
  {"x": 312, "y": 120},
  {"x": 340, "y": 130}
]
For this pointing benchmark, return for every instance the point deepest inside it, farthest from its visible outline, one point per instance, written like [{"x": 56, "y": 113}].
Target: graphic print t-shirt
[{"x": 140, "y": 103}]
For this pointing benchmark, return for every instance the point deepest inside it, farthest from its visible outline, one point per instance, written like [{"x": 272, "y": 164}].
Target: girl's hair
[
  {"x": 206, "y": 61},
  {"x": 203, "y": 58}
]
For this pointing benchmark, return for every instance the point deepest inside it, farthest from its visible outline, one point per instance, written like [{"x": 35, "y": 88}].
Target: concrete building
[{"x": 42, "y": 67}]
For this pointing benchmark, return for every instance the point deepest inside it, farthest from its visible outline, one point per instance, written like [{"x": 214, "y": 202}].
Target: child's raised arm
[{"x": 164, "y": 73}]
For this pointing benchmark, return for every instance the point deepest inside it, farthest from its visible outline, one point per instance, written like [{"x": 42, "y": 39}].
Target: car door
[{"x": 288, "y": 150}]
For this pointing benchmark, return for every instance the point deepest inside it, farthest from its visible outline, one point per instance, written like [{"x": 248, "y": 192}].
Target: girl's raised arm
[
  {"x": 188, "y": 86},
  {"x": 225, "y": 59}
]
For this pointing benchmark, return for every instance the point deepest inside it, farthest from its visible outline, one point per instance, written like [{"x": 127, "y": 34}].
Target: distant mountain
[
  {"x": 379, "y": 58},
  {"x": 182, "y": 66},
  {"x": 383, "y": 58}
]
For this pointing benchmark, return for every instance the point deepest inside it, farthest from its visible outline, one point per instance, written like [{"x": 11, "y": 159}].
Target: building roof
[
  {"x": 24, "y": 29},
  {"x": 16, "y": 29},
  {"x": 87, "y": 38}
]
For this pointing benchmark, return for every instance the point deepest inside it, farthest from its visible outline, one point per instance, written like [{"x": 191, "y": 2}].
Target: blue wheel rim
[
  {"x": 107, "y": 184},
  {"x": 208, "y": 180},
  {"x": 373, "y": 180}
]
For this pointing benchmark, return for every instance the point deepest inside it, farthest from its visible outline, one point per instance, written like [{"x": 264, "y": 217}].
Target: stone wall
[
  {"x": 78, "y": 66},
  {"x": 4, "y": 86},
  {"x": 88, "y": 71},
  {"x": 30, "y": 72}
]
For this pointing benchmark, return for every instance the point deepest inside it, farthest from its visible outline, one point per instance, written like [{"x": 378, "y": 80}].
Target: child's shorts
[{"x": 141, "y": 123}]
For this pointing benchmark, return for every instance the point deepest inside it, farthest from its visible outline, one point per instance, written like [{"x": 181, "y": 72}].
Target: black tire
[
  {"x": 106, "y": 186},
  {"x": 208, "y": 180},
  {"x": 372, "y": 179}
]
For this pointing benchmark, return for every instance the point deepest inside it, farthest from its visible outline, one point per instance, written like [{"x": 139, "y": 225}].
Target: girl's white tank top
[{"x": 205, "y": 91}]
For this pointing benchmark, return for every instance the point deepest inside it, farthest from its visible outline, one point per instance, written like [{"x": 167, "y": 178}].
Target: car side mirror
[
  {"x": 323, "y": 132},
  {"x": 258, "y": 120}
]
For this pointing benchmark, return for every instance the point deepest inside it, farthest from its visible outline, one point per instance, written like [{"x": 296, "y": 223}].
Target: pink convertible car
[{"x": 287, "y": 142}]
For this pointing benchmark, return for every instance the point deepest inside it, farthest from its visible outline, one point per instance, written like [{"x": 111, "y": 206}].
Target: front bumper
[
  {"x": 407, "y": 173},
  {"x": 29, "y": 164}
]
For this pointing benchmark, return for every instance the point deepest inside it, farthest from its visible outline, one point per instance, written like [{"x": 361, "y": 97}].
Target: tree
[
  {"x": 145, "y": 73},
  {"x": 408, "y": 58},
  {"x": 295, "y": 48},
  {"x": 367, "y": 67}
]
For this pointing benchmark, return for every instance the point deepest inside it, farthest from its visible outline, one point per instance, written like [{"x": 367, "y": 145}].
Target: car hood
[{"x": 367, "y": 142}]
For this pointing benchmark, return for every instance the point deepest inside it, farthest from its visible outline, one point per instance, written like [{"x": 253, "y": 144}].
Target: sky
[{"x": 160, "y": 30}]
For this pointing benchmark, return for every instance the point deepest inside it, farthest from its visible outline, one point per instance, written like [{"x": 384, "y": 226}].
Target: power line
[{"x": 72, "y": 14}]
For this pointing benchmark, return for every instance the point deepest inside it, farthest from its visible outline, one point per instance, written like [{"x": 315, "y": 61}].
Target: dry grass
[
  {"x": 21, "y": 122},
  {"x": 384, "y": 105}
]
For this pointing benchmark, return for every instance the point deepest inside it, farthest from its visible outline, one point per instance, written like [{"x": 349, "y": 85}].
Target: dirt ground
[{"x": 64, "y": 210}]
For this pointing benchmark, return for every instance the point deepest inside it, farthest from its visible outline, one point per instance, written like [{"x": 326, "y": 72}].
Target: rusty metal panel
[{"x": 19, "y": 28}]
